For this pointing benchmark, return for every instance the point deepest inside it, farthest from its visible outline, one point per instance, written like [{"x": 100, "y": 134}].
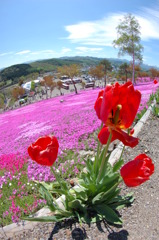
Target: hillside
[{"x": 41, "y": 66}]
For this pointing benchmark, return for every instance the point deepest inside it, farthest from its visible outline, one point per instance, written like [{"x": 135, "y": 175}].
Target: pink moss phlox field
[
  {"x": 146, "y": 88},
  {"x": 70, "y": 118},
  {"x": 12, "y": 162}
]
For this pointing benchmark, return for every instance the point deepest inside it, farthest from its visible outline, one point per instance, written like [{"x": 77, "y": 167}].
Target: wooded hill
[{"x": 15, "y": 72}]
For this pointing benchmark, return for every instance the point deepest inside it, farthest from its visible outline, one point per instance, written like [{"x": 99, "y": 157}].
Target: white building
[{"x": 27, "y": 85}]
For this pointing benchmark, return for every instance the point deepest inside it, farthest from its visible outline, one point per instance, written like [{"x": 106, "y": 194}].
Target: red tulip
[
  {"x": 155, "y": 81},
  {"x": 137, "y": 171},
  {"x": 44, "y": 151},
  {"x": 116, "y": 107}
]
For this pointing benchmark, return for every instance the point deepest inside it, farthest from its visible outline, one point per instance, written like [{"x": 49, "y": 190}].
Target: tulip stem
[
  {"x": 98, "y": 151},
  {"x": 122, "y": 152},
  {"x": 60, "y": 181},
  {"x": 56, "y": 176},
  {"x": 104, "y": 156},
  {"x": 99, "y": 145}
]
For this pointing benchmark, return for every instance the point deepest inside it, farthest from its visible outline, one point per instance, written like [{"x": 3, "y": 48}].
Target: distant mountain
[
  {"x": 114, "y": 61},
  {"x": 146, "y": 67},
  {"x": 93, "y": 60},
  {"x": 41, "y": 66}
]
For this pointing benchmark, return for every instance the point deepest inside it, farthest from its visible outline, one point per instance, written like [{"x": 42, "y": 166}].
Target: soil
[{"x": 140, "y": 221}]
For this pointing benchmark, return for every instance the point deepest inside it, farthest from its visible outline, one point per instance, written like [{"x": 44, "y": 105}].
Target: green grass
[{"x": 20, "y": 197}]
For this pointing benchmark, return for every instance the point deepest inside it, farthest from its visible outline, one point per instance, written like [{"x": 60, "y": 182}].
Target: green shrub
[{"x": 155, "y": 111}]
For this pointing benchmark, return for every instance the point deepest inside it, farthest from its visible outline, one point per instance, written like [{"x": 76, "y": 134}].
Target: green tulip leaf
[
  {"x": 118, "y": 165},
  {"x": 109, "y": 180},
  {"x": 111, "y": 195},
  {"x": 81, "y": 193},
  {"x": 97, "y": 198},
  {"x": 50, "y": 186},
  {"x": 64, "y": 213},
  {"x": 106, "y": 196},
  {"x": 121, "y": 201},
  {"x": 45, "y": 219},
  {"x": 89, "y": 166},
  {"x": 108, "y": 213},
  {"x": 87, "y": 219},
  {"x": 48, "y": 197},
  {"x": 77, "y": 204}
]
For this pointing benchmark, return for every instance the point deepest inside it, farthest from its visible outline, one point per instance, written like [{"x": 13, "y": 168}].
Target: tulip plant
[{"x": 96, "y": 194}]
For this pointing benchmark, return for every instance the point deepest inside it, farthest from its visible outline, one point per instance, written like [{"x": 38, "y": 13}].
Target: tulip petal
[
  {"x": 134, "y": 182},
  {"x": 43, "y": 142},
  {"x": 104, "y": 135},
  {"x": 97, "y": 106},
  {"x": 125, "y": 138}
]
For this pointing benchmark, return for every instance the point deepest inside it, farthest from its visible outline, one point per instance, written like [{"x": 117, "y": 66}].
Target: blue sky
[{"x": 41, "y": 29}]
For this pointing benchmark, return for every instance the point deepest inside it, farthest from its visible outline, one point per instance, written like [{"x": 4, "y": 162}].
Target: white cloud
[
  {"x": 65, "y": 50},
  {"x": 153, "y": 12},
  {"x": 4, "y": 54},
  {"x": 102, "y": 32},
  {"x": 149, "y": 28},
  {"x": 23, "y": 52},
  {"x": 81, "y": 30},
  {"x": 49, "y": 52},
  {"x": 149, "y": 20},
  {"x": 35, "y": 53},
  {"x": 88, "y": 49}
]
